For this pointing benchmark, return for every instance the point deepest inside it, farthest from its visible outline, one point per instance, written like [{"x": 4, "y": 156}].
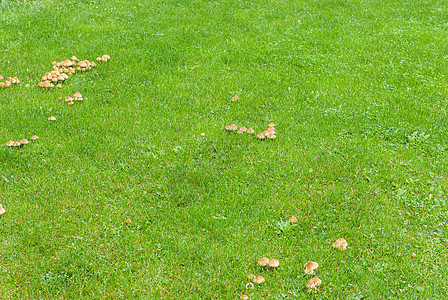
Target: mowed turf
[{"x": 358, "y": 92}]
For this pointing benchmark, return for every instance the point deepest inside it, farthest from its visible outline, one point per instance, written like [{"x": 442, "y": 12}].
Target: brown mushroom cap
[
  {"x": 51, "y": 118},
  {"x": 293, "y": 219},
  {"x": 271, "y": 124},
  {"x": 263, "y": 261},
  {"x": 259, "y": 279},
  {"x": 99, "y": 59},
  {"x": 77, "y": 95},
  {"x": 105, "y": 57},
  {"x": 68, "y": 99},
  {"x": 313, "y": 283},
  {"x": 243, "y": 129},
  {"x": 34, "y": 137},
  {"x": 260, "y": 136},
  {"x": 73, "y": 58},
  {"x": 24, "y": 142},
  {"x": 310, "y": 267},
  {"x": 82, "y": 64},
  {"x": 341, "y": 244},
  {"x": 273, "y": 263},
  {"x": 233, "y": 127},
  {"x": 250, "y": 131},
  {"x": 2, "y": 210},
  {"x": 9, "y": 143},
  {"x": 270, "y": 135},
  {"x": 228, "y": 128},
  {"x": 67, "y": 63},
  {"x": 234, "y": 98},
  {"x": 244, "y": 297},
  {"x": 16, "y": 144}
]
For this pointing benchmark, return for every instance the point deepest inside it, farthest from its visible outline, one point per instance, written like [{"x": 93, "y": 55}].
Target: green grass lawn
[{"x": 358, "y": 91}]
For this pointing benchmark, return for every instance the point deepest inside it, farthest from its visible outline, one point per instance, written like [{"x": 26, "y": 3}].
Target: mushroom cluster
[
  {"x": 20, "y": 143},
  {"x": 105, "y": 57},
  {"x": 269, "y": 133},
  {"x": 76, "y": 97},
  {"x": 62, "y": 70},
  {"x": 8, "y": 81},
  {"x": 262, "y": 262}
]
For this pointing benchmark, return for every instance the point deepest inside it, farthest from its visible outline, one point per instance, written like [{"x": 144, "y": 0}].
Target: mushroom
[
  {"x": 202, "y": 134},
  {"x": 243, "y": 129},
  {"x": 234, "y": 98},
  {"x": 270, "y": 135},
  {"x": 128, "y": 221},
  {"x": 293, "y": 219},
  {"x": 341, "y": 244},
  {"x": 273, "y": 263},
  {"x": 271, "y": 130},
  {"x": 34, "y": 137},
  {"x": 60, "y": 78},
  {"x": 310, "y": 267},
  {"x": 259, "y": 279},
  {"x": 271, "y": 124},
  {"x": 74, "y": 58},
  {"x": 2, "y": 210},
  {"x": 70, "y": 103},
  {"x": 263, "y": 261},
  {"x": 51, "y": 118},
  {"x": 7, "y": 83},
  {"x": 313, "y": 283},
  {"x": 233, "y": 127},
  {"x": 240, "y": 131},
  {"x": 92, "y": 64},
  {"x": 77, "y": 96},
  {"x": 244, "y": 297},
  {"x": 68, "y": 99},
  {"x": 1, "y": 77},
  {"x": 24, "y": 142},
  {"x": 250, "y": 131},
  {"x": 228, "y": 128},
  {"x": 67, "y": 63},
  {"x": 15, "y": 80},
  {"x": 82, "y": 64},
  {"x": 2, "y": 84},
  {"x": 250, "y": 276},
  {"x": 59, "y": 86},
  {"x": 105, "y": 57},
  {"x": 99, "y": 59},
  {"x": 9, "y": 143},
  {"x": 260, "y": 136},
  {"x": 250, "y": 286},
  {"x": 16, "y": 144}
]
